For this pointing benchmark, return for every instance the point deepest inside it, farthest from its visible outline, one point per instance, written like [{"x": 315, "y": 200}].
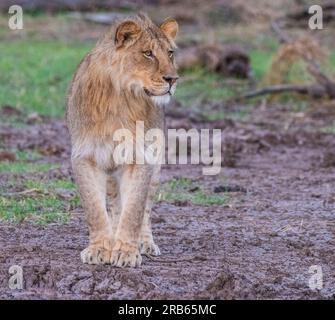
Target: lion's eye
[
  {"x": 171, "y": 52},
  {"x": 148, "y": 53}
]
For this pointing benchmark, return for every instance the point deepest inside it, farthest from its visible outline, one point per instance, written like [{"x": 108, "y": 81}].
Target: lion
[{"x": 127, "y": 77}]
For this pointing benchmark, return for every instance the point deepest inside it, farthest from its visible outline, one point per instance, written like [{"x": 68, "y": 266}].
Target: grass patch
[
  {"x": 332, "y": 61},
  {"x": 200, "y": 85},
  {"x": 35, "y": 75},
  {"x": 19, "y": 167},
  {"x": 23, "y": 155},
  {"x": 40, "y": 209},
  {"x": 50, "y": 185},
  {"x": 260, "y": 63},
  {"x": 49, "y": 202},
  {"x": 186, "y": 190},
  {"x": 25, "y": 163}
]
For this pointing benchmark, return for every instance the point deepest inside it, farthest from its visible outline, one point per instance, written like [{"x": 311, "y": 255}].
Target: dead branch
[{"x": 315, "y": 91}]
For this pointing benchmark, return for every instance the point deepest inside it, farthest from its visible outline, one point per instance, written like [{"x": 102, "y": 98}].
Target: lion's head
[{"x": 143, "y": 57}]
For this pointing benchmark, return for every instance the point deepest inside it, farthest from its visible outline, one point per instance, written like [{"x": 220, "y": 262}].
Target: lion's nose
[{"x": 170, "y": 79}]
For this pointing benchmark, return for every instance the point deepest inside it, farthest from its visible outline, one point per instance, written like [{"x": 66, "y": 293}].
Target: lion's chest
[{"x": 123, "y": 147}]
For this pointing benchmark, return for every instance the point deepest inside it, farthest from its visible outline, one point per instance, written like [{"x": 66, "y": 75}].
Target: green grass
[
  {"x": 34, "y": 75},
  {"x": 25, "y": 163},
  {"x": 40, "y": 209},
  {"x": 202, "y": 85},
  {"x": 38, "y": 200},
  {"x": 51, "y": 184},
  {"x": 43, "y": 205},
  {"x": 332, "y": 62},
  {"x": 23, "y": 155},
  {"x": 260, "y": 62},
  {"x": 19, "y": 167},
  {"x": 185, "y": 189}
]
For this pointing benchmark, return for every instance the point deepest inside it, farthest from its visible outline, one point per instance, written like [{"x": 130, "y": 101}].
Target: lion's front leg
[
  {"x": 148, "y": 245},
  {"x": 134, "y": 186},
  {"x": 113, "y": 202},
  {"x": 91, "y": 183}
]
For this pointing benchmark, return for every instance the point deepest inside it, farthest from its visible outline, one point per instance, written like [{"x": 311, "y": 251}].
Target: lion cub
[{"x": 126, "y": 78}]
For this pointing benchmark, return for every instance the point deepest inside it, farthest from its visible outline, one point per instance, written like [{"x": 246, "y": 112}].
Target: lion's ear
[
  {"x": 126, "y": 33},
  {"x": 170, "y": 28}
]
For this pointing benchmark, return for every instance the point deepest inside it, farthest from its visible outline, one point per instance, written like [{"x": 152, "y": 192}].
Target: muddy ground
[{"x": 278, "y": 176}]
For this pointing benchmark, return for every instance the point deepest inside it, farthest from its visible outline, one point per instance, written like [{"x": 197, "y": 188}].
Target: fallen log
[{"x": 230, "y": 60}]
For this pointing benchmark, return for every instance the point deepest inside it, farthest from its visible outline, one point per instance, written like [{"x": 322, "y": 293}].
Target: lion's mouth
[{"x": 151, "y": 94}]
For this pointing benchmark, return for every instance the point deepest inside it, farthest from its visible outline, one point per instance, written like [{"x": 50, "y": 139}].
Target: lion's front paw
[
  {"x": 150, "y": 248},
  {"x": 95, "y": 254},
  {"x": 125, "y": 255}
]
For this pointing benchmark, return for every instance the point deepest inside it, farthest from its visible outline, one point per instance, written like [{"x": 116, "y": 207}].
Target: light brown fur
[{"x": 114, "y": 86}]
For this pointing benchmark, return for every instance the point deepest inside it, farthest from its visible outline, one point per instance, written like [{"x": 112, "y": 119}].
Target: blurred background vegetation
[{"x": 37, "y": 62}]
